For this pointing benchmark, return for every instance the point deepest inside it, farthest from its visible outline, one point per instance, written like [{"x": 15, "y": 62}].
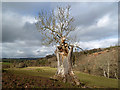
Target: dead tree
[{"x": 55, "y": 28}]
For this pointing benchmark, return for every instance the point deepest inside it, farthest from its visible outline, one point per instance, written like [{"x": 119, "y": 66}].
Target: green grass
[
  {"x": 35, "y": 71},
  {"x": 6, "y": 63},
  {"x": 89, "y": 80},
  {"x": 97, "y": 81}
]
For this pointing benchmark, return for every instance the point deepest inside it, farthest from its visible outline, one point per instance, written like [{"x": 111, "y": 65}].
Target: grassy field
[
  {"x": 6, "y": 63},
  {"x": 35, "y": 71},
  {"x": 32, "y": 77},
  {"x": 47, "y": 72},
  {"x": 97, "y": 81}
]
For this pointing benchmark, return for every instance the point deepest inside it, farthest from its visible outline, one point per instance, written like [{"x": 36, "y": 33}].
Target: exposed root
[{"x": 69, "y": 78}]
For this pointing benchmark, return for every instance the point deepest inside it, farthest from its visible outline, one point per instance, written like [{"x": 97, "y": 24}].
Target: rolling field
[{"x": 39, "y": 77}]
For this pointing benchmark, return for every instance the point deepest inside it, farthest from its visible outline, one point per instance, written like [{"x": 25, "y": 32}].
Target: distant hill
[
  {"x": 101, "y": 61},
  {"x": 91, "y": 68}
]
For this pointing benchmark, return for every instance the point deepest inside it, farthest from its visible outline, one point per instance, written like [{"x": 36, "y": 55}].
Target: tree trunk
[
  {"x": 64, "y": 68},
  {"x": 104, "y": 73},
  {"x": 108, "y": 71}
]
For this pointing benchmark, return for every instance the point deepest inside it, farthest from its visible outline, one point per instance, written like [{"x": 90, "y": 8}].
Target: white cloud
[
  {"x": 98, "y": 43},
  {"x": 107, "y": 26},
  {"x": 36, "y": 52},
  {"x": 44, "y": 50},
  {"x": 20, "y": 52},
  {"x": 18, "y": 19},
  {"x": 104, "y": 21},
  {"x": 24, "y": 40},
  {"x": 12, "y": 18},
  {"x": 0, "y": 50},
  {"x": 25, "y": 49},
  {"x": 29, "y": 19}
]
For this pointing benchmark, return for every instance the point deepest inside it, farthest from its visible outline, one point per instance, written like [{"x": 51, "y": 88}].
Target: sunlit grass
[
  {"x": 35, "y": 71},
  {"x": 6, "y": 63},
  {"x": 97, "y": 81}
]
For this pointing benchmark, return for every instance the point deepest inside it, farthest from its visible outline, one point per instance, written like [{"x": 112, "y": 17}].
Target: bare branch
[{"x": 56, "y": 25}]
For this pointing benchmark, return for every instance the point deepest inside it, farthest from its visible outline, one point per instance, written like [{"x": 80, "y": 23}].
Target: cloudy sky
[{"x": 96, "y": 26}]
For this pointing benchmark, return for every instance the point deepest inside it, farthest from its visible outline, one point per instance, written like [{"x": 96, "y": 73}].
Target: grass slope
[
  {"x": 46, "y": 72},
  {"x": 6, "y": 63},
  {"x": 97, "y": 81}
]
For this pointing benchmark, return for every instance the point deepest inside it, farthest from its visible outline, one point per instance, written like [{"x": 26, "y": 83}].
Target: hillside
[
  {"x": 102, "y": 62},
  {"x": 96, "y": 68}
]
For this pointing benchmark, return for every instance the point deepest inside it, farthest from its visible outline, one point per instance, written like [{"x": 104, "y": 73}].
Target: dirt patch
[{"x": 11, "y": 80}]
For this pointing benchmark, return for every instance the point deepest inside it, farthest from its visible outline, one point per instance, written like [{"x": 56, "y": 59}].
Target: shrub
[
  {"x": 21, "y": 65},
  {"x": 5, "y": 66}
]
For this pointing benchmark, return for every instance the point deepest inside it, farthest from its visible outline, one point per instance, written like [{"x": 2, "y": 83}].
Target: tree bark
[
  {"x": 108, "y": 71},
  {"x": 64, "y": 67}
]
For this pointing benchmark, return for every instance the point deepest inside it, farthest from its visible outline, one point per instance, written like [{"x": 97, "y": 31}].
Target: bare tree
[{"x": 55, "y": 28}]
